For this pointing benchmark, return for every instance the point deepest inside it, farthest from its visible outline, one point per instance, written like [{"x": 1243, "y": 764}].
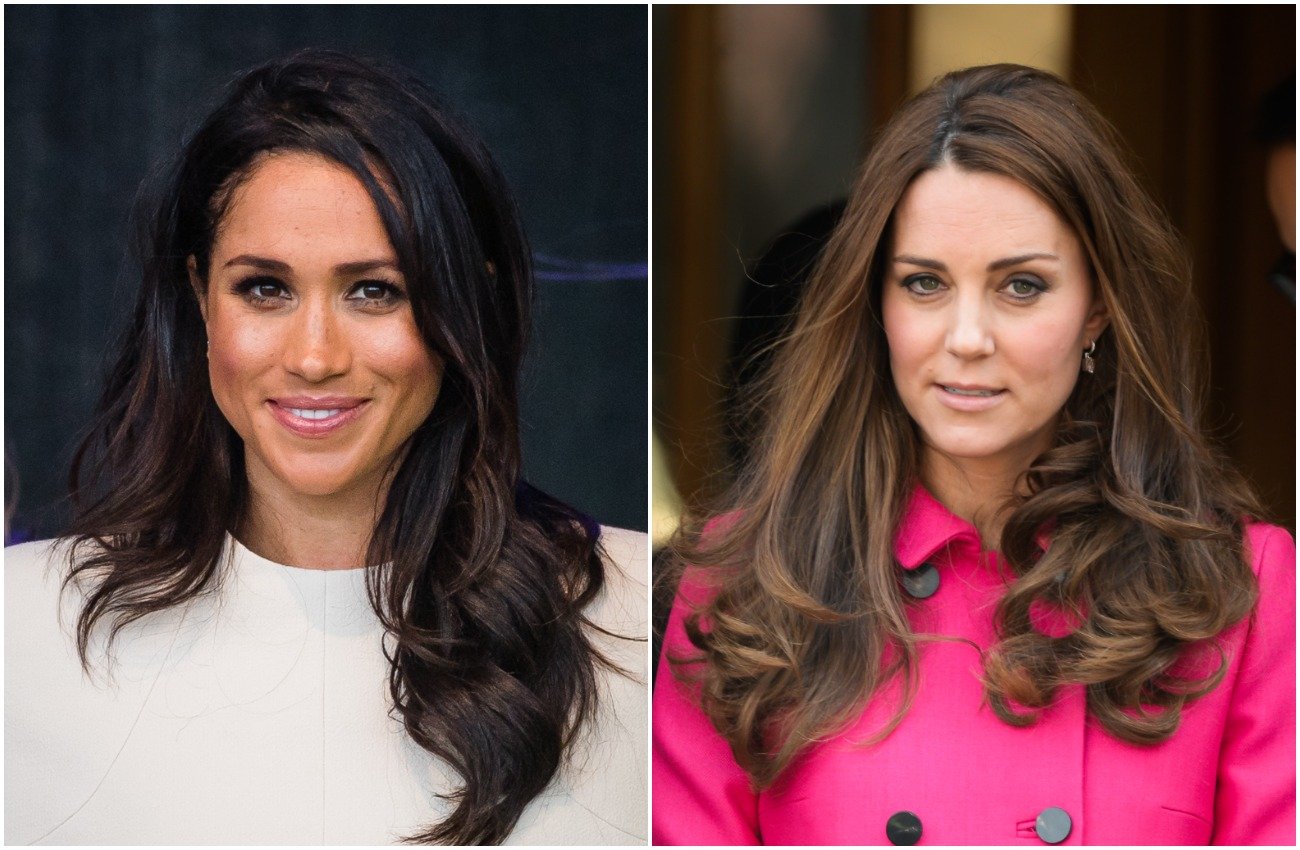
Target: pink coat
[{"x": 1227, "y": 776}]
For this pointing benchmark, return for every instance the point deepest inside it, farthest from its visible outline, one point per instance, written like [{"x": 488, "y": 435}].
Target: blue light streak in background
[{"x": 549, "y": 267}]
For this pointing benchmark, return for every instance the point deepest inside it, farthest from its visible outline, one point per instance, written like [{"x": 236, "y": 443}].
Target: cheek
[
  {"x": 910, "y": 341},
  {"x": 238, "y": 352},
  {"x": 1048, "y": 355},
  {"x": 402, "y": 358}
]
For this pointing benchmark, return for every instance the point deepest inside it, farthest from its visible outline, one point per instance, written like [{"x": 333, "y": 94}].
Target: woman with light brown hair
[{"x": 984, "y": 579}]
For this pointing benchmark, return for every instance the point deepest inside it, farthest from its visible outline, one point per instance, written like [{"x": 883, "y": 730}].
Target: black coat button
[
  {"x": 921, "y": 582},
  {"x": 903, "y": 828},
  {"x": 1053, "y": 825}
]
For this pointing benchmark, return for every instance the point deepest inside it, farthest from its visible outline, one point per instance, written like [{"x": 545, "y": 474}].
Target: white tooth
[{"x": 303, "y": 413}]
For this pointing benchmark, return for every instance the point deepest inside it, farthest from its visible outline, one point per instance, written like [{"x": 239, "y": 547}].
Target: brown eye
[
  {"x": 375, "y": 293},
  {"x": 261, "y": 289}
]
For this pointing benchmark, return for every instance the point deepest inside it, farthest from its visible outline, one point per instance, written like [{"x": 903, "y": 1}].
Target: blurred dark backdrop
[{"x": 97, "y": 96}]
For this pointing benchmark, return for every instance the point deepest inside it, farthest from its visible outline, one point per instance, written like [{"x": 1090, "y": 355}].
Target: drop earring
[{"x": 1090, "y": 365}]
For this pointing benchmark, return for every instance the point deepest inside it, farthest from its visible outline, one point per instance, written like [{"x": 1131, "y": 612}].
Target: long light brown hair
[{"x": 805, "y": 620}]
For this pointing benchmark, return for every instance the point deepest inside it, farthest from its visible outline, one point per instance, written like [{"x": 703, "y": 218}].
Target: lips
[
  {"x": 969, "y": 397},
  {"x": 970, "y": 390},
  {"x": 315, "y": 417}
]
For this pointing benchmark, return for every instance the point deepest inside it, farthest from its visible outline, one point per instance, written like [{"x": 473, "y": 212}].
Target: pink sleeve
[
  {"x": 1255, "y": 798},
  {"x": 701, "y": 796}
]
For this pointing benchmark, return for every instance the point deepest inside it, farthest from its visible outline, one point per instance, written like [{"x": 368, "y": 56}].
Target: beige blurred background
[{"x": 762, "y": 113}]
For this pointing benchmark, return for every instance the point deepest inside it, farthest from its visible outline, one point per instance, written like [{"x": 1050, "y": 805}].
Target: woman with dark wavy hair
[
  {"x": 985, "y": 581},
  {"x": 322, "y": 371}
]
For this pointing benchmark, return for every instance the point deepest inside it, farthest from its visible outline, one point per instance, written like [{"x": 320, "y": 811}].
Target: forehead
[
  {"x": 295, "y": 203},
  {"x": 954, "y": 209}
]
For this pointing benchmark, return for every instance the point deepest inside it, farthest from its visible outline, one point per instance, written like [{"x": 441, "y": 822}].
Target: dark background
[{"x": 96, "y": 97}]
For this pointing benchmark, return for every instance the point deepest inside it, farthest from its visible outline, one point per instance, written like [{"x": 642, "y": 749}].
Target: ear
[
  {"x": 200, "y": 291},
  {"x": 1098, "y": 320}
]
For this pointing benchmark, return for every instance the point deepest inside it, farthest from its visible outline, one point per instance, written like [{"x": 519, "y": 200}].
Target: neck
[
  {"x": 978, "y": 492},
  {"x": 315, "y": 532}
]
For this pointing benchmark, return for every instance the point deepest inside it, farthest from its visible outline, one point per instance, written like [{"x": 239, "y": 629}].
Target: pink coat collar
[{"x": 927, "y": 527}]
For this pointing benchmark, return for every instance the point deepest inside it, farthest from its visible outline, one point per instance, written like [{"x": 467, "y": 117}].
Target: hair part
[
  {"x": 807, "y": 621},
  {"x": 484, "y": 579}
]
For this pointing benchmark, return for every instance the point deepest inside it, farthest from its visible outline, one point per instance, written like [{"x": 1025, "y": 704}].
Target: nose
[
  {"x": 316, "y": 346},
  {"x": 970, "y": 335}
]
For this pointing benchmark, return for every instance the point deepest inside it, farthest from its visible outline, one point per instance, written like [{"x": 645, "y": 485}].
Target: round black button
[
  {"x": 921, "y": 582},
  {"x": 903, "y": 828},
  {"x": 1053, "y": 825}
]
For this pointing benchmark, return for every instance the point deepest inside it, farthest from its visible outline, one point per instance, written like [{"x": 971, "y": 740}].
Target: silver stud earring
[{"x": 1090, "y": 365}]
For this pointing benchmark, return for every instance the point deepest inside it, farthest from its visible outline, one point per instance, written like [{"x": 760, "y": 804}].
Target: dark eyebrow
[
  {"x": 1006, "y": 262},
  {"x": 922, "y": 262},
  {"x": 357, "y": 267},
  {"x": 1023, "y": 258}
]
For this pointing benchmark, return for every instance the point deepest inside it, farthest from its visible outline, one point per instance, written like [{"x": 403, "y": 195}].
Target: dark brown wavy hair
[
  {"x": 484, "y": 579},
  {"x": 806, "y": 620}
]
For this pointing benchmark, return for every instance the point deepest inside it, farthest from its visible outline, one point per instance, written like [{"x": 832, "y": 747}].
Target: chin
[
  {"x": 316, "y": 485},
  {"x": 981, "y": 447},
  {"x": 323, "y": 489},
  {"x": 317, "y": 477},
  {"x": 969, "y": 452},
  {"x": 969, "y": 446}
]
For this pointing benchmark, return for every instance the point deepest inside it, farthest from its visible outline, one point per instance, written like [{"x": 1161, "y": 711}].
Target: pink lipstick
[{"x": 315, "y": 417}]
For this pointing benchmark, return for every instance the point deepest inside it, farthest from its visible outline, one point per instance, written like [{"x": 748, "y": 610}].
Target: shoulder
[
  {"x": 41, "y": 617},
  {"x": 1270, "y": 550},
  {"x": 60, "y": 724},
  {"x": 1263, "y": 643},
  {"x": 34, "y": 574},
  {"x": 1255, "y": 786},
  {"x": 696, "y": 584},
  {"x": 622, "y": 605},
  {"x": 619, "y": 614},
  {"x": 29, "y": 564},
  {"x": 720, "y": 524},
  {"x": 601, "y": 798}
]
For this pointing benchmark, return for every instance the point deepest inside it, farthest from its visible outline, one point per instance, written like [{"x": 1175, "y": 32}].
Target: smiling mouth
[{"x": 316, "y": 418}]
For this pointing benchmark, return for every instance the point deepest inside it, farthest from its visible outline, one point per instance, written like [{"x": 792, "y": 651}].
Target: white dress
[{"x": 260, "y": 715}]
